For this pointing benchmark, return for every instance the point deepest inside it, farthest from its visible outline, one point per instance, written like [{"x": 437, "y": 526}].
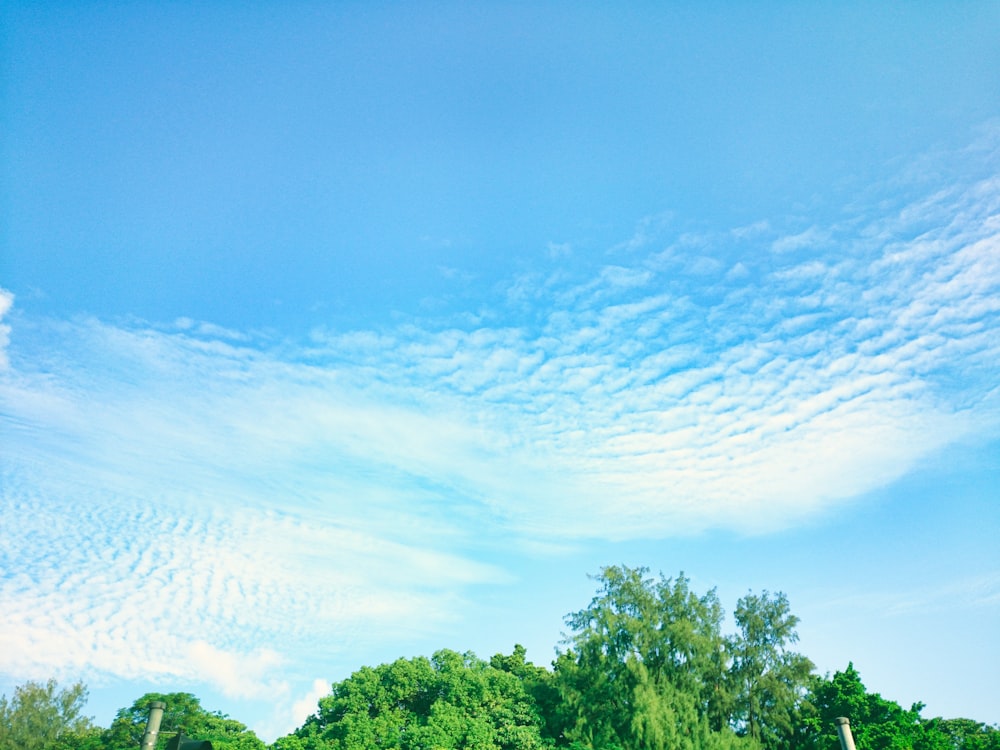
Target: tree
[
  {"x": 40, "y": 716},
  {"x": 769, "y": 681},
  {"x": 876, "y": 723},
  {"x": 967, "y": 734},
  {"x": 539, "y": 684},
  {"x": 449, "y": 701},
  {"x": 183, "y": 713},
  {"x": 645, "y": 667}
]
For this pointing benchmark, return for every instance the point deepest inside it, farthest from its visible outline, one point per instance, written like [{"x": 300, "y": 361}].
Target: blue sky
[{"x": 334, "y": 333}]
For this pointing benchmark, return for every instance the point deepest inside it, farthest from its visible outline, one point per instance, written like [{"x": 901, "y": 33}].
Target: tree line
[{"x": 646, "y": 666}]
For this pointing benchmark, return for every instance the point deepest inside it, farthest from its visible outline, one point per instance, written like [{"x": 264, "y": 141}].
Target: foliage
[
  {"x": 539, "y": 684},
  {"x": 768, "y": 680},
  {"x": 450, "y": 701},
  {"x": 966, "y": 734},
  {"x": 876, "y": 723},
  {"x": 40, "y": 716},
  {"x": 645, "y": 667},
  {"x": 182, "y": 714}
]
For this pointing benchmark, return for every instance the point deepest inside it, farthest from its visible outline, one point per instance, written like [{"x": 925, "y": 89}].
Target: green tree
[
  {"x": 183, "y": 713},
  {"x": 645, "y": 667},
  {"x": 41, "y": 716},
  {"x": 876, "y": 723},
  {"x": 966, "y": 734},
  {"x": 769, "y": 681},
  {"x": 539, "y": 684},
  {"x": 449, "y": 701}
]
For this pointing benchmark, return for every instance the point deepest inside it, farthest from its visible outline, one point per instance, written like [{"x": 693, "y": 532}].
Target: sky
[{"x": 334, "y": 333}]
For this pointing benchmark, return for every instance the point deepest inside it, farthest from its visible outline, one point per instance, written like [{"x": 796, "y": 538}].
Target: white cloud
[
  {"x": 6, "y": 302},
  {"x": 811, "y": 238},
  {"x": 303, "y": 708},
  {"x": 966, "y": 594},
  {"x": 559, "y": 250},
  {"x": 288, "y": 713},
  {"x": 241, "y": 675},
  {"x": 194, "y": 586}
]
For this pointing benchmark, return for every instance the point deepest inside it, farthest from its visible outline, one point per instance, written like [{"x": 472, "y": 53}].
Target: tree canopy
[
  {"x": 449, "y": 701},
  {"x": 768, "y": 680},
  {"x": 881, "y": 724},
  {"x": 41, "y": 716},
  {"x": 183, "y": 713},
  {"x": 645, "y": 666}
]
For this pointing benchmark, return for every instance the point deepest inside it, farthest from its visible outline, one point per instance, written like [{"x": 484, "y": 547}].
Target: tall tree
[
  {"x": 41, "y": 716},
  {"x": 769, "y": 680},
  {"x": 645, "y": 665}
]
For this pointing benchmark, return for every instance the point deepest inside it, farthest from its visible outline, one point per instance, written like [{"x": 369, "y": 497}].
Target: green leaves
[
  {"x": 646, "y": 665},
  {"x": 880, "y": 724},
  {"x": 182, "y": 714},
  {"x": 966, "y": 734},
  {"x": 449, "y": 701},
  {"x": 768, "y": 680},
  {"x": 40, "y": 716}
]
